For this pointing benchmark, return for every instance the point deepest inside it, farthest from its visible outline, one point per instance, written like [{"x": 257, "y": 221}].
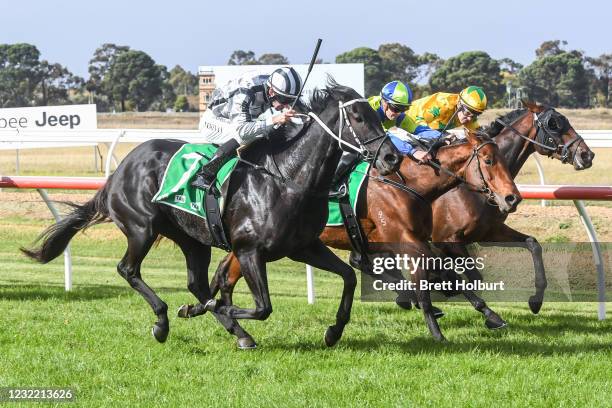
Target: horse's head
[
  {"x": 486, "y": 169},
  {"x": 557, "y": 138},
  {"x": 351, "y": 116}
]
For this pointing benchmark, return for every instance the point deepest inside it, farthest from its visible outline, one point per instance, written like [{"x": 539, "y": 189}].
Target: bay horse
[
  {"x": 518, "y": 134},
  {"x": 390, "y": 215},
  {"x": 276, "y": 207}
]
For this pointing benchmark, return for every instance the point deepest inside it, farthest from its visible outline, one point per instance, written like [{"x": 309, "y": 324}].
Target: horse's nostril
[
  {"x": 391, "y": 159},
  {"x": 512, "y": 199}
]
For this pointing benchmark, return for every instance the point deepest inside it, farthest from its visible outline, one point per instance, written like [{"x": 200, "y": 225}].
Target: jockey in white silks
[{"x": 245, "y": 109}]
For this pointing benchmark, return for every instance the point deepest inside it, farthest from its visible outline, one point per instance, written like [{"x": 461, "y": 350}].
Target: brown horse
[
  {"x": 518, "y": 134},
  {"x": 478, "y": 161}
]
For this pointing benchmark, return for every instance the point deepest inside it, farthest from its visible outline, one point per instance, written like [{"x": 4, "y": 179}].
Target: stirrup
[{"x": 338, "y": 193}]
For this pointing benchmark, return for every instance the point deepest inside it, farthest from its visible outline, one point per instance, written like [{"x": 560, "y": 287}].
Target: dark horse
[
  {"x": 518, "y": 134},
  {"x": 390, "y": 215},
  {"x": 272, "y": 211}
]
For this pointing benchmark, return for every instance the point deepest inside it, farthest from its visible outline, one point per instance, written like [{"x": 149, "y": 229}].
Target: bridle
[
  {"x": 343, "y": 120},
  {"x": 484, "y": 188},
  {"x": 546, "y": 138}
]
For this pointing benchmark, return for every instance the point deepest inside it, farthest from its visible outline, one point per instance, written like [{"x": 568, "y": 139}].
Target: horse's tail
[{"x": 55, "y": 239}]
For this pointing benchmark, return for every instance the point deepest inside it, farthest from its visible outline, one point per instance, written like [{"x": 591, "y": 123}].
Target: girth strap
[
  {"x": 357, "y": 238},
  {"x": 215, "y": 225}
]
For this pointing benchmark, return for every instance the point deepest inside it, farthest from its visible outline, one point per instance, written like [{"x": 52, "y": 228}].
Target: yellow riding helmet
[{"x": 474, "y": 98}]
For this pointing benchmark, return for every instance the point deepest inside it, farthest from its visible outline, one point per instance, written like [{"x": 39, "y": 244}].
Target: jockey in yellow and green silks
[
  {"x": 392, "y": 105},
  {"x": 445, "y": 111}
]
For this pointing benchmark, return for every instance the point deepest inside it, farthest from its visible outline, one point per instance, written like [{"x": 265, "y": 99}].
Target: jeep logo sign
[{"x": 81, "y": 117}]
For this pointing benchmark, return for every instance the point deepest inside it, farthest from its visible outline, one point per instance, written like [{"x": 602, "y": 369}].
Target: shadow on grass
[{"x": 81, "y": 293}]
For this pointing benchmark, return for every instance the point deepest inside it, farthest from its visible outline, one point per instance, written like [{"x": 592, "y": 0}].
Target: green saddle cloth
[
  {"x": 356, "y": 179},
  {"x": 176, "y": 190}
]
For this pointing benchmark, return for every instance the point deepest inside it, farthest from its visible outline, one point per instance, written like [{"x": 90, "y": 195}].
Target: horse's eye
[
  {"x": 552, "y": 124},
  {"x": 488, "y": 162},
  {"x": 358, "y": 118}
]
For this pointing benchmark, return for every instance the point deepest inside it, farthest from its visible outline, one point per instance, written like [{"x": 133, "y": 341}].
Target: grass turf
[{"x": 97, "y": 341}]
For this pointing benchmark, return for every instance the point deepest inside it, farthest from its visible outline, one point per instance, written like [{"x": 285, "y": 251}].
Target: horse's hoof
[
  {"x": 246, "y": 343},
  {"x": 331, "y": 337},
  {"x": 160, "y": 333},
  {"x": 495, "y": 323},
  {"x": 438, "y": 313},
  {"x": 535, "y": 304},
  {"x": 404, "y": 304},
  {"x": 183, "y": 311}
]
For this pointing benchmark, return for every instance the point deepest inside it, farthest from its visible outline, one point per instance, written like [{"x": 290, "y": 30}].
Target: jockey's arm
[{"x": 247, "y": 127}]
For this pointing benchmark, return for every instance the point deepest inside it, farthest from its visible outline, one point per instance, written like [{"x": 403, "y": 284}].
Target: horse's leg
[
  {"x": 129, "y": 268},
  {"x": 320, "y": 256},
  {"x": 225, "y": 279},
  {"x": 513, "y": 238},
  {"x": 197, "y": 257},
  {"x": 253, "y": 269},
  {"x": 424, "y": 299},
  {"x": 459, "y": 250}
]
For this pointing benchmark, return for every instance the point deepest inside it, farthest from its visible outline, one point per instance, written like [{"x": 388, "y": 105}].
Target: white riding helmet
[{"x": 286, "y": 82}]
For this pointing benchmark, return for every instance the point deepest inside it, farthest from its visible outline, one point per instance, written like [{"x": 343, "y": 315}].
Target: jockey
[
  {"x": 391, "y": 106},
  {"x": 244, "y": 110},
  {"x": 445, "y": 111}
]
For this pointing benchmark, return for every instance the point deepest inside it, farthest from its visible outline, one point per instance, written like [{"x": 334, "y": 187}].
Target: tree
[
  {"x": 272, "y": 59},
  {"x": 240, "y": 57},
  {"x": 373, "y": 67},
  {"x": 55, "y": 83},
  {"x": 549, "y": 48},
  {"x": 399, "y": 62},
  {"x": 559, "y": 79},
  {"x": 428, "y": 64},
  {"x": 27, "y": 81},
  {"x": 183, "y": 82},
  {"x": 19, "y": 74},
  {"x": 602, "y": 68},
  {"x": 181, "y": 104},
  {"x": 469, "y": 68},
  {"x": 133, "y": 76},
  {"x": 509, "y": 66},
  {"x": 99, "y": 66}
]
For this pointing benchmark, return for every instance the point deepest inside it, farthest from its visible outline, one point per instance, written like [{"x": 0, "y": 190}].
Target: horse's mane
[
  {"x": 320, "y": 98},
  {"x": 495, "y": 127}
]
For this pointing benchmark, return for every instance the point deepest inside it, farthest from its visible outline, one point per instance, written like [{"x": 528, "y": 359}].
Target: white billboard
[
  {"x": 345, "y": 74},
  {"x": 74, "y": 117}
]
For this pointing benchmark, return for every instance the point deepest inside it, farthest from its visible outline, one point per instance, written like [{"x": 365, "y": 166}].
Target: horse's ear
[{"x": 534, "y": 107}]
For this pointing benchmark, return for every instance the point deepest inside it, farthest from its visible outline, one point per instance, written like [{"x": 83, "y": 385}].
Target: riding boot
[
  {"x": 207, "y": 174},
  {"x": 345, "y": 165}
]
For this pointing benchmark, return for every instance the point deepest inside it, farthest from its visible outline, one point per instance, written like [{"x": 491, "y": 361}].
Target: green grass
[{"x": 96, "y": 340}]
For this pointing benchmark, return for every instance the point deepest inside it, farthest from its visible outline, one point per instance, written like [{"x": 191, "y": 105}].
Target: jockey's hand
[
  {"x": 283, "y": 117},
  {"x": 421, "y": 156}
]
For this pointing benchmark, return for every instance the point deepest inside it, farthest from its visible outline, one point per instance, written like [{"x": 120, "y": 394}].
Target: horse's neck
[
  {"x": 431, "y": 182},
  {"x": 514, "y": 148},
  {"x": 306, "y": 160}
]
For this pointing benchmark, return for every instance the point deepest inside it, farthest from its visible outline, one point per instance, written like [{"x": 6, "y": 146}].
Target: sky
[{"x": 194, "y": 33}]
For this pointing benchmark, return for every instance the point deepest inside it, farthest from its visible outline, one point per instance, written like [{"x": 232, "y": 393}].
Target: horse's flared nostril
[
  {"x": 512, "y": 200},
  {"x": 392, "y": 159}
]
